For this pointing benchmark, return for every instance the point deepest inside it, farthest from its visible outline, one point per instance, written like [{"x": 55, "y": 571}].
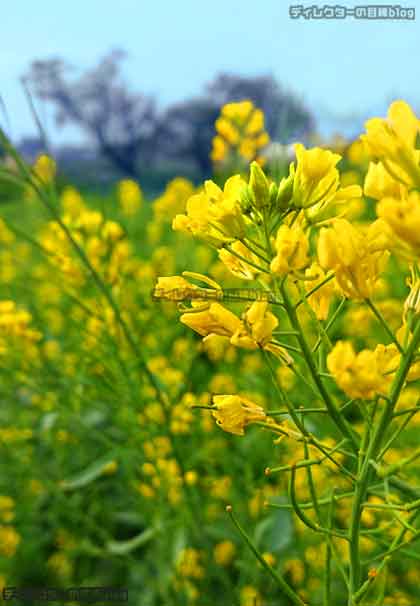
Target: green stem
[
  {"x": 384, "y": 324},
  {"x": 314, "y": 289},
  {"x": 330, "y": 323},
  {"x": 371, "y": 454},
  {"x": 335, "y": 413},
  {"x": 283, "y": 396},
  {"x": 253, "y": 251},
  {"x": 284, "y": 586},
  {"x": 244, "y": 260},
  {"x": 328, "y": 556}
]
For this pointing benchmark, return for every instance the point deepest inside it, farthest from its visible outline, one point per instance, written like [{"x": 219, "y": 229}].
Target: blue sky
[{"x": 349, "y": 68}]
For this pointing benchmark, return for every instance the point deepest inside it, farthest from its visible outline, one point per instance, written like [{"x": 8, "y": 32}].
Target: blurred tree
[
  {"x": 121, "y": 123},
  {"x": 129, "y": 131},
  {"x": 186, "y": 131}
]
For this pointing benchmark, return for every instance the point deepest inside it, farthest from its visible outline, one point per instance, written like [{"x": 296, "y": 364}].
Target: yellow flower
[
  {"x": 215, "y": 347},
  {"x": 172, "y": 288},
  {"x": 224, "y": 208},
  {"x": 320, "y": 300},
  {"x": 215, "y": 320},
  {"x": 365, "y": 374},
  {"x": 9, "y": 541},
  {"x": 237, "y": 266},
  {"x": 356, "y": 153},
  {"x": 393, "y": 140},
  {"x": 256, "y": 331},
  {"x": 130, "y": 196},
  {"x": 256, "y": 123},
  {"x": 250, "y": 596},
  {"x": 213, "y": 214},
  {"x": 7, "y": 505},
  {"x": 233, "y": 413},
  {"x": 219, "y": 150},
  {"x": 6, "y": 236},
  {"x": 189, "y": 563},
  {"x": 269, "y": 558},
  {"x": 222, "y": 382},
  {"x": 257, "y": 328},
  {"x": 71, "y": 202},
  {"x": 296, "y": 569},
  {"x": 112, "y": 231},
  {"x": 402, "y": 217},
  {"x": 224, "y": 553},
  {"x": 292, "y": 250},
  {"x": 191, "y": 477},
  {"x": 227, "y": 130},
  {"x": 240, "y": 130},
  {"x": 89, "y": 221},
  {"x": 248, "y": 149},
  {"x": 6, "y": 502},
  {"x": 110, "y": 468},
  {"x": 379, "y": 183},
  {"x": 173, "y": 199},
  {"x": 60, "y": 564},
  {"x": 45, "y": 168},
  {"x": 238, "y": 110},
  {"x": 356, "y": 257},
  {"x": 177, "y": 288},
  {"x": 316, "y": 176}
]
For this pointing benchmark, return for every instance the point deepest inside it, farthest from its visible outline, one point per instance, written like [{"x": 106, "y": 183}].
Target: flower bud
[
  {"x": 273, "y": 191},
  {"x": 412, "y": 303},
  {"x": 259, "y": 186},
  {"x": 45, "y": 168},
  {"x": 285, "y": 192},
  {"x": 247, "y": 199}
]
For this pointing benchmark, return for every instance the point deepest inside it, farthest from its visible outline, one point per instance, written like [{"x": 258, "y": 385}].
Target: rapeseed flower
[
  {"x": 233, "y": 413},
  {"x": 214, "y": 215},
  {"x": 392, "y": 140},
  {"x": 292, "y": 248},
  {"x": 357, "y": 257}
]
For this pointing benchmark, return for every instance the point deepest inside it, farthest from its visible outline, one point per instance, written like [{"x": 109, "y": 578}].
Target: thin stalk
[
  {"x": 283, "y": 584},
  {"x": 371, "y": 454},
  {"x": 384, "y": 324},
  {"x": 335, "y": 413}
]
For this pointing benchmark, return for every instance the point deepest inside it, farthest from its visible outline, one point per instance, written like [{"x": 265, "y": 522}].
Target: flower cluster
[{"x": 240, "y": 130}]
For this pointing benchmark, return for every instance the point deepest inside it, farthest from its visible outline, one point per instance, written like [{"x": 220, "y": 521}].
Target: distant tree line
[{"x": 134, "y": 134}]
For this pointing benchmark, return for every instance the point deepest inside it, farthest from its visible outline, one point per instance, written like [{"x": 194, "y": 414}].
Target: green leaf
[
  {"x": 93, "y": 418},
  {"x": 221, "y": 532},
  {"x": 86, "y": 476},
  {"x": 130, "y": 518},
  {"x": 274, "y": 533},
  {"x": 48, "y": 421},
  {"x": 123, "y": 547}
]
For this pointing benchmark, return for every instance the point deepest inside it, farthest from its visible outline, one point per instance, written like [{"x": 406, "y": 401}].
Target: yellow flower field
[{"x": 213, "y": 396}]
